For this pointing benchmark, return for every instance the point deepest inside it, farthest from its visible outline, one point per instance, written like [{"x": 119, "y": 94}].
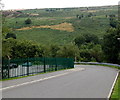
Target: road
[{"x": 85, "y": 81}]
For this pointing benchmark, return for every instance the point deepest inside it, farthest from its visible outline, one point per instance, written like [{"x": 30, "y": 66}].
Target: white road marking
[
  {"x": 70, "y": 71},
  {"x": 76, "y": 69},
  {"x": 113, "y": 85}
]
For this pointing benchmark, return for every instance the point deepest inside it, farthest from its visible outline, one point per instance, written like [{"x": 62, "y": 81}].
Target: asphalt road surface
[{"x": 85, "y": 81}]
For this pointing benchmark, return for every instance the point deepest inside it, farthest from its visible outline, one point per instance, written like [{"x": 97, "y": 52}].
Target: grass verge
[{"x": 116, "y": 91}]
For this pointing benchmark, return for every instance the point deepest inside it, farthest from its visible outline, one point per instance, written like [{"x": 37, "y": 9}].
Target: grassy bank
[{"x": 116, "y": 91}]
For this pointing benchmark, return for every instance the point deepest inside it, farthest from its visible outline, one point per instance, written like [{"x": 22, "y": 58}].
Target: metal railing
[
  {"x": 97, "y": 63},
  {"x": 29, "y": 66}
]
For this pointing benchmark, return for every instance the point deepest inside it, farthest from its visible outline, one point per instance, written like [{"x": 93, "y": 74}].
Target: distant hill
[{"x": 51, "y": 25}]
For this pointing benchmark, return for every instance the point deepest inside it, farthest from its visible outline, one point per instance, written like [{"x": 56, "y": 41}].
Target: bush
[
  {"x": 28, "y": 21},
  {"x": 10, "y": 35}
]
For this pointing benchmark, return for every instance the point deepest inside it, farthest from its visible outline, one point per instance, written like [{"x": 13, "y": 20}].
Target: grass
[
  {"x": 63, "y": 26},
  {"x": 116, "y": 91},
  {"x": 45, "y": 36},
  {"x": 96, "y": 24},
  {"x": 49, "y": 34}
]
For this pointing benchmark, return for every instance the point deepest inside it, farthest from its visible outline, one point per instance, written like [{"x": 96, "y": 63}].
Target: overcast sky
[{"x": 31, "y": 4}]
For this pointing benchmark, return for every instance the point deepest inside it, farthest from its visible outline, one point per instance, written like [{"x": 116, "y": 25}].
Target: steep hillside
[{"x": 59, "y": 25}]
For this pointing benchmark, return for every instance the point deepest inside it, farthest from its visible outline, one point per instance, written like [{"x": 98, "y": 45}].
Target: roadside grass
[
  {"x": 48, "y": 71},
  {"x": 116, "y": 91}
]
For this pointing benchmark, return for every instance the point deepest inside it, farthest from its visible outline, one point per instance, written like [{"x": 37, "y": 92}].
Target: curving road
[{"x": 85, "y": 81}]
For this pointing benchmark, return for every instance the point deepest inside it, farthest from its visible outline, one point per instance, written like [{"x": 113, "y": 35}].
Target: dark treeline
[{"x": 12, "y": 48}]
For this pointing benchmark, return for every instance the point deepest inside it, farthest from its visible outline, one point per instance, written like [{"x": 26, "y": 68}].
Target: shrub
[
  {"x": 10, "y": 35},
  {"x": 28, "y": 21}
]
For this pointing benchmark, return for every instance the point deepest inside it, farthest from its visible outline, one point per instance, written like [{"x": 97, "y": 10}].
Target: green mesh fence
[{"x": 29, "y": 66}]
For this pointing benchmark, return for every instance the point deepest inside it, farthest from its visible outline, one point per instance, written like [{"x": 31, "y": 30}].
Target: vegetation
[
  {"x": 111, "y": 45},
  {"x": 10, "y": 35},
  {"x": 90, "y": 34},
  {"x": 28, "y": 21},
  {"x": 115, "y": 95},
  {"x": 24, "y": 49},
  {"x": 85, "y": 34}
]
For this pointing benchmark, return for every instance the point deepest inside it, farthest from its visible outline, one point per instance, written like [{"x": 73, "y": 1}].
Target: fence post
[
  {"x": 8, "y": 67},
  {"x": 27, "y": 66},
  {"x": 44, "y": 66},
  {"x": 55, "y": 64},
  {"x": 2, "y": 70},
  {"x": 68, "y": 63},
  {"x": 72, "y": 66}
]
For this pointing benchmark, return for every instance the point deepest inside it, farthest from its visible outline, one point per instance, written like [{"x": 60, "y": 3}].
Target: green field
[{"x": 97, "y": 24}]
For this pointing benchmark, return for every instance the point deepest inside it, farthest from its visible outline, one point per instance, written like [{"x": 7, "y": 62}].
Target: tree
[
  {"x": 111, "y": 45},
  {"x": 53, "y": 50},
  {"x": 112, "y": 16},
  {"x": 7, "y": 45},
  {"x": 97, "y": 53},
  {"x": 79, "y": 40},
  {"x": 113, "y": 23},
  {"x": 82, "y": 15},
  {"x": 13, "y": 48},
  {"x": 23, "y": 49},
  {"x": 90, "y": 15},
  {"x": 28, "y": 21},
  {"x": 91, "y": 38},
  {"x": 85, "y": 54},
  {"x": 10, "y": 35},
  {"x": 68, "y": 51},
  {"x": 77, "y": 16},
  {"x": 86, "y": 38},
  {"x": 5, "y": 30}
]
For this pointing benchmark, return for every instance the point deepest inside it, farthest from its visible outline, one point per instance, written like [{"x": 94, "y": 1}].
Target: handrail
[{"x": 97, "y": 63}]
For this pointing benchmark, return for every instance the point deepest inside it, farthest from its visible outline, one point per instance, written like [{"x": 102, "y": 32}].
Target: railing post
[
  {"x": 8, "y": 67},
  {"x": 55, "y": 64},
  {"x": 27, "y": 66},
  {"x": 2, "y": 69},
  {"x": 68, "y": 63},
  {"x": 44, "y": 66},
  {"x": 2, "y": 72},
  {"x": 72, "y": 63}
]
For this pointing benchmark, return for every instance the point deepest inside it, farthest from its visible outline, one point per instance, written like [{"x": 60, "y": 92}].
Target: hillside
[{"x": 59, "y": 25}]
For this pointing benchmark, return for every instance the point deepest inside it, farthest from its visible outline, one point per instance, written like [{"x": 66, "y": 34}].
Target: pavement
[{"x": 84, "y": 81}]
